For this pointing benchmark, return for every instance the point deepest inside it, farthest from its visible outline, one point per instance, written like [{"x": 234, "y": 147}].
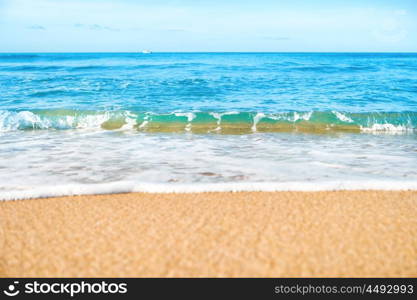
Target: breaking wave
[{"x": 210, "y": 122}]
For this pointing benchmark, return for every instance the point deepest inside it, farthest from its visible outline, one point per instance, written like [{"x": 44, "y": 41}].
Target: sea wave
[
  {"x": 93, "y": 67},
  {"x": 211, "y": 122}
]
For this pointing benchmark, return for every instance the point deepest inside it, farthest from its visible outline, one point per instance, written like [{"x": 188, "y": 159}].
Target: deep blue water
[{"x": 166, "y": 82}]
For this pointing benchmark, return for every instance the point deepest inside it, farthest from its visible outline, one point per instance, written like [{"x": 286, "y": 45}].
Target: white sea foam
[
  {"x": 389, "y": 128},
  {"x": 190, "y": 117},
  {"x": 218, "y": 117},
  {"x": 256, "y": 119},
  {"x": 130, "y": 120},
  {"x": 143, "y": 124},
  {"x": 93, "y": 121},
  {"x": 145, "y": 121},
  {"x": 127, "y": 187},
  {"x": 17, "y": 120},
  {"x": 52, "y": 163},
  {"x": 302, "y": 116},
  {"x": 10, "y": 121},
  {"x": 342, "y": 117}
]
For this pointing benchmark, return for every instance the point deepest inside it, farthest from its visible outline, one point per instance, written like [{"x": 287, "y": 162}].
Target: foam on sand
[{"x": 128, "y": 187}]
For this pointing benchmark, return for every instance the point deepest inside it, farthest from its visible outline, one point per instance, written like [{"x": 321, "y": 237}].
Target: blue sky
[{"x": 204, "y": 25}]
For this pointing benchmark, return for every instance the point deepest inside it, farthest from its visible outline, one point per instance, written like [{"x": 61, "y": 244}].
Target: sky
[{"x": 208, "y": 25}]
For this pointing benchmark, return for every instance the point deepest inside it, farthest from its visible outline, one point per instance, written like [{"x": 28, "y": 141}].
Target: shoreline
[
  {"x": 72, "y": 190},
  {"x": 215, "y": 234}
]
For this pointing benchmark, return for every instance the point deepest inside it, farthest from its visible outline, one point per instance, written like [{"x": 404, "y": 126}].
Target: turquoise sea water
[{"x": 108, "y": 122}]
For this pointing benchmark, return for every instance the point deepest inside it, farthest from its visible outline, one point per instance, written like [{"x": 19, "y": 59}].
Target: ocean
[{"x": 90, "y": 123}]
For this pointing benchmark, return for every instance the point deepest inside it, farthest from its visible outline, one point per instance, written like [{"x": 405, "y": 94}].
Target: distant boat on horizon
[{"x": 146, "y": 51}]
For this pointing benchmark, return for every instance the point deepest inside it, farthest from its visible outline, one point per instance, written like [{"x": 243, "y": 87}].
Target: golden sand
[{"x": 344, "y": 233}]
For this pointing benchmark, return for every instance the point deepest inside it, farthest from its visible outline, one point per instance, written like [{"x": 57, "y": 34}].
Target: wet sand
[{"x": 255, "y": 234}]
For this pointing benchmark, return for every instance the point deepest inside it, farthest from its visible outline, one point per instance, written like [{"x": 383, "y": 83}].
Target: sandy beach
[{"x": 257, "y": 234}]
